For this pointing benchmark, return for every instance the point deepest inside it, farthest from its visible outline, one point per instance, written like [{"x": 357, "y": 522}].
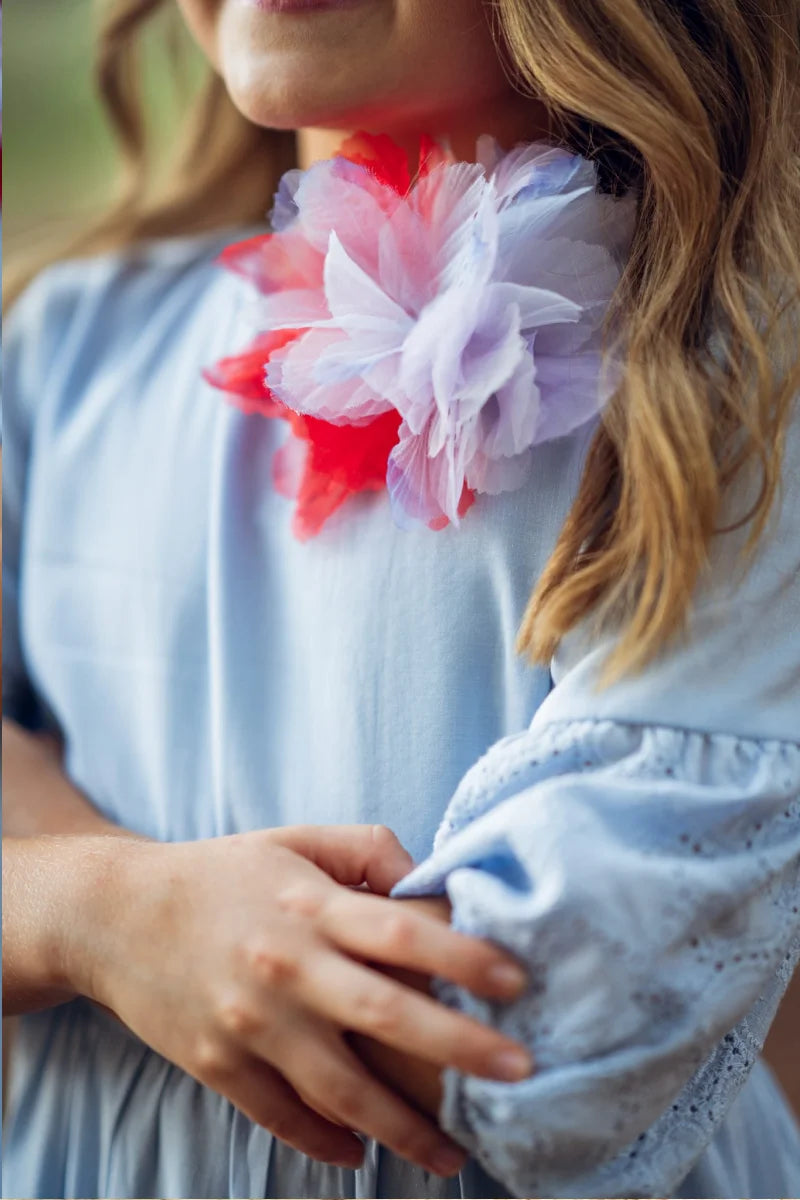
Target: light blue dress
[{"x": 638, "y": 847}]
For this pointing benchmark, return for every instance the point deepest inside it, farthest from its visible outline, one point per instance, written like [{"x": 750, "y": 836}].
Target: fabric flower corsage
[{"x": 424, "y": 334}]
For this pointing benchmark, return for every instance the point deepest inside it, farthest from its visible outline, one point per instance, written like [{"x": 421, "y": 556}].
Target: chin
[
  {"x": 280, "y": 97},
  {"x": 322, "y": 73},
  {"x": 272, "y": 107},
  {"x": 296, "y": 108}
]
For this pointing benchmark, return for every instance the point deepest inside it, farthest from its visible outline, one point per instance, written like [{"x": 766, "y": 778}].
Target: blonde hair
[{"x": 696, "y": 106}]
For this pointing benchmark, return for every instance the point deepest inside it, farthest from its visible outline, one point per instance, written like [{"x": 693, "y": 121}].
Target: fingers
[
  {"x": 335, "y": 1081},
  {"x": 386, "y": 931},
  {"x": 363, "y": 1000},
  {"x": 265, "y": 1097},
  {"x": 351, "y": 854}
]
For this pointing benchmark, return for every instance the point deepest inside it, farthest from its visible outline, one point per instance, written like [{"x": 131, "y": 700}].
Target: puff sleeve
[{"x": 638, "y": 847}]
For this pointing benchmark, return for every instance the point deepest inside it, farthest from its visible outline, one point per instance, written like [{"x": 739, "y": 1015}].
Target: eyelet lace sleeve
[{"x": 649, "y": 878}]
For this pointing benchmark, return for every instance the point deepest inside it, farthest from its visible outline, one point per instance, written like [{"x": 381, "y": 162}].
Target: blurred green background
[{"x": 58, "y": 151}]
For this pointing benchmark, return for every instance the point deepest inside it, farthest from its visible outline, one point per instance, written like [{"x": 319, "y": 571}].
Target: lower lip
[{"x": 301, "y": 6}]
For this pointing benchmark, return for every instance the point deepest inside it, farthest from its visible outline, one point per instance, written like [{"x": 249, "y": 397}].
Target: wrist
[
  {"x": 100, "y": 892},
  {"x": 55, "y": 901}
]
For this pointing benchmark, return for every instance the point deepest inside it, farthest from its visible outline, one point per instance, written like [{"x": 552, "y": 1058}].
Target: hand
[
  {"x": 417, "y": 1081},
  {"x": 238, "y": 959}
]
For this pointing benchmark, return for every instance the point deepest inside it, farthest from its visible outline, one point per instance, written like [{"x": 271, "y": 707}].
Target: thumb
[{"x": 351, "y": 854}]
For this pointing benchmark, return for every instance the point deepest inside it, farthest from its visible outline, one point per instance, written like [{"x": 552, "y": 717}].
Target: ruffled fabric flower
[{"x": 425, "y": 334}]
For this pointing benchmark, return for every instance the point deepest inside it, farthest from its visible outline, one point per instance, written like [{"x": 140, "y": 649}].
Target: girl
[{"x": 536, "y": 329}]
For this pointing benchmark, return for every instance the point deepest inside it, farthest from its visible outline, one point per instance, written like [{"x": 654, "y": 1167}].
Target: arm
[
  {"x": 44, "y": 877},
  {"x": 49, "y": 829},
  {"x": 51, "y": 833},
  {"x": 658, "y": 944},
  {"x": 639, "y": 848},
  {"x": 61, "y": 856},
  {"x": 421, "y": 1083},
  {"x": 38, "y": 799},
  {"x": 39, "y": 802}
]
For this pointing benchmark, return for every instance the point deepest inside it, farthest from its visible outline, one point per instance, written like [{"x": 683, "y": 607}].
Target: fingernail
[
  {"x": 448, "y": 1160},
  {"x": 507, "y": 977},
  {"x": 512, "y": 1065}
]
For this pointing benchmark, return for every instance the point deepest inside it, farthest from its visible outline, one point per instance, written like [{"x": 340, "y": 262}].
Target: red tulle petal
[
  {"x": 242, "y": 375},
  {"x": 336, "y": 462},
  {"x": 319, "y": 499},
  {"x": 466, "y": 502},
  {"x": 243, "y": 257},
  {"x": 382, "y": 157},
  {"x": 342, "y": 460},
  {"x": 464, "y": 505},
  {"x": 431, "y": 155},
  {"x": 288, "y": 464}
]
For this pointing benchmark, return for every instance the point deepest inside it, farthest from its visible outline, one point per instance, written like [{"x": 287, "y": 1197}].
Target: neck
[{"x": 522, "y": 120}]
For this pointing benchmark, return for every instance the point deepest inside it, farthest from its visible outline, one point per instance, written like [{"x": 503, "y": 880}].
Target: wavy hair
[{"x": 694, "y": 104}]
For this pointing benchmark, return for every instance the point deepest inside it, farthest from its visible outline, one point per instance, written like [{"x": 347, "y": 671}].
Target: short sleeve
[
  {"x": 638, "y": 849},
  {"x": 34, "y": 331}
]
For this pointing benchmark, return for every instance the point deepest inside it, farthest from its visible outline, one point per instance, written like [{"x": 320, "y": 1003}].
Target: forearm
[
  {"x": 55, "y": 845},
  {"x": 37, "y": 797},
  {"x": 51, "y": 886}
]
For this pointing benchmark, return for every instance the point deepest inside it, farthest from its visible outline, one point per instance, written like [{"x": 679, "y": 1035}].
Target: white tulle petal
[
  {"x": 349, "y": 201},
  {"x": 292, "y": 377},
  {"x": 412, "y": 481},
  {"x": 535, "y": 170},
  {"x": 511, "y": 420},
  {"x": 431, "y": 355},
  {"x": 574, "y": 389},
  {"x": 285, "y": 209},
  {"x": 297, "y": 308},
  {"x": 360, "y": 306},
  {"x": 424, "y": 486}
]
